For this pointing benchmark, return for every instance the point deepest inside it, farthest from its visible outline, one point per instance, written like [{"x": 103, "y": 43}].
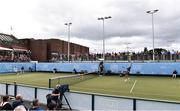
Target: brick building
[{"x": 46, "y": 49}]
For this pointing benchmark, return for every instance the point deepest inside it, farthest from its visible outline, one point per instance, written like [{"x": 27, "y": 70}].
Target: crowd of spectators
[
  {"x": 15, "y": 57},
  {"x": 114, "y": 56},
  {"x": 124, "y": 56},
  {"x": 22, "y": 58},
  {"x": 54, "y": 102},
  {"x": 18, "y": 104}
]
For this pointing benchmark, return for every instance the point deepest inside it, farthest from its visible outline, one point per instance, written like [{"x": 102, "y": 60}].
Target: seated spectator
[
  {"x": 36, "y": 106},
  {"x": 20, "y": 108},
  {"x": 18, "y": 103},
  {"x": 5, "y": 105}
]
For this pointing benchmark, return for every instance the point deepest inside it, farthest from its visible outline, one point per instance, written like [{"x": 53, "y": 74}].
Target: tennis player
[
  {"x": 174, "y": 74},
  {"x": 22, "y": 69},
  {"x": 101, "y": 68},
  {"x": 16, "y": 70},
  {"x": 127, "y": 73}
]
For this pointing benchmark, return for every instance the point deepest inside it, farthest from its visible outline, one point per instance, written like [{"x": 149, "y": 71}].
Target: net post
[{"x": 49, "y": 83}]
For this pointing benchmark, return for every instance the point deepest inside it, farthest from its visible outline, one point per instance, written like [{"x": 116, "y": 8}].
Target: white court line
[
  {"x": 84, "y": 88},
  {"x": 133, "y": 86}
]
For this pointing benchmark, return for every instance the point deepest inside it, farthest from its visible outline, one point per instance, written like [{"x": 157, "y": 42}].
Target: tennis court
[
  {"x": 164, "y": 88},
  {"x": 34, "y": 79}
]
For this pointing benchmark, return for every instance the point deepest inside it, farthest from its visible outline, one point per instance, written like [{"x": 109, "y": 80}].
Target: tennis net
[{"x": 71, "y": 80}]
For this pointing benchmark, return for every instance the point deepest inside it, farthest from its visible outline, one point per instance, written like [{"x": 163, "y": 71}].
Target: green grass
[
  {"x": 163, "y": 88},
  {"x": 34, "y": 79}
]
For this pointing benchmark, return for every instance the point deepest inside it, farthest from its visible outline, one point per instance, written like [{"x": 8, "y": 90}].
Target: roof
[
  {"x": 12, "y": 42},
  {"x": 6, "y": 37}
]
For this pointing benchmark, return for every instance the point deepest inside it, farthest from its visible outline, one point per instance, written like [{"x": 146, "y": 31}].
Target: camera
[{"x": 63, "y": 88}]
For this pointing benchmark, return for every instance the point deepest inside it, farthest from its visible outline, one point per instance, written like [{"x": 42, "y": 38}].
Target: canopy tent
[{"x": 4, "y": 48}]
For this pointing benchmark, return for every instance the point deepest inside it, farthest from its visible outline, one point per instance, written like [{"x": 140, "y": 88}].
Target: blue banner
[
  {"x": 117, "y": 68},
  {"x": 67, "y": 67},
  {"x": 11, "y": 67}
]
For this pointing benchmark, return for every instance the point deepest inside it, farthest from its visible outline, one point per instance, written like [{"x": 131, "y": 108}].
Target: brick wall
[
  {"x": 39, "y": 50},
  {"x": 42, "y": 49}
]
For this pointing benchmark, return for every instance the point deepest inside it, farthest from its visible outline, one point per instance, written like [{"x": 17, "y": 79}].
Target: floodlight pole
[
  {"x": 152, "y": 13},
  {"x": 68, "y": 24},
  {"x": 103, "y": 18}
]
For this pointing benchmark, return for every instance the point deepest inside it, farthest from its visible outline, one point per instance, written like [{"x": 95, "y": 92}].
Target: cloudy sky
[{"x": 130, "y": 25}]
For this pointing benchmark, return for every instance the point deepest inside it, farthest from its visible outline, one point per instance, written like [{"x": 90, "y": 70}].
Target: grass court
[{"x": 163, "y": 88}]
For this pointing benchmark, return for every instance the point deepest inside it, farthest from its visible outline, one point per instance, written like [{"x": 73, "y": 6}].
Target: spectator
[
  {"x": 5, "y": 105},
  {"x": 18, "y": 103},
  {"x": 36, "y": 106},
  {"x": 20, "y": 108}
]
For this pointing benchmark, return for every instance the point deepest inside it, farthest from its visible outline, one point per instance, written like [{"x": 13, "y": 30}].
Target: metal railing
[{"x": 90, "y": 101}]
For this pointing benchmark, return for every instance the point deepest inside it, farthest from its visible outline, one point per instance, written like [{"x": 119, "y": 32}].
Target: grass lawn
[
  {"x": 164, "y": 88},
  {"x": 34, "y": 79}
]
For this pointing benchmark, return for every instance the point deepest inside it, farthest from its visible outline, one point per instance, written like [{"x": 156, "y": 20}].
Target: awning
[
  {"x": 4, "y": 48},
  {"x": 18, "y": 48}
]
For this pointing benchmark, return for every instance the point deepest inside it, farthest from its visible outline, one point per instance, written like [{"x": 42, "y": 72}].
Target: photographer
[
  {"x": 54, "y": 100},
  {"x": 55, "y": 93},
  {"x": 51, "y": 104}
]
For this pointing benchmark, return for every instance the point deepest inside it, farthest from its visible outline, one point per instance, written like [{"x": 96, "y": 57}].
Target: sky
[{"x": 130, "y": 27}]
